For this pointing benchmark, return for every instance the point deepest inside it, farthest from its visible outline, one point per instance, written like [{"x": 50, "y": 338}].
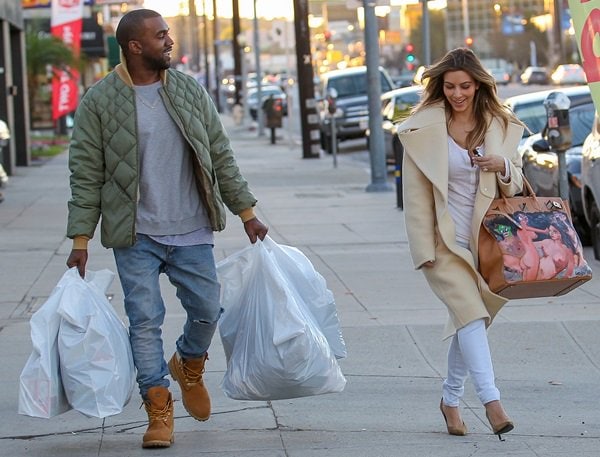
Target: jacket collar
[{"x": 123, "y": 72}]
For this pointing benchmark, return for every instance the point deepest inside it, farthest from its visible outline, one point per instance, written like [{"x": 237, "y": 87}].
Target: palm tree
[{"x": 44, "y": 52}]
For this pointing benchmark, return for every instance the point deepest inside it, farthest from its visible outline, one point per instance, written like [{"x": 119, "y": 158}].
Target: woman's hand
[{"x": 492, "y": 163}]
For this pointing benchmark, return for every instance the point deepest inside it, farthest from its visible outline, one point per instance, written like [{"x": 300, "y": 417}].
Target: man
[{"x": 149, "y": 154}]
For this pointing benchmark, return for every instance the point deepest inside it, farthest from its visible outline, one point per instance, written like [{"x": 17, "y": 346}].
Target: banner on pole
[
  {"x": 65, "y": 87},
  {"x": 586, "y": 21},
  {"x": 66, "y": 18}
]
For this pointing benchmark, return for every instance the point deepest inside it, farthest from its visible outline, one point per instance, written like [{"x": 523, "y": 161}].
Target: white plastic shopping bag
[
  {"x": 273, "y": 339},
  {"x": 41, "y": 392},
  {"x": 96, "y": 363},
  {"x": 81, "y": 355}
]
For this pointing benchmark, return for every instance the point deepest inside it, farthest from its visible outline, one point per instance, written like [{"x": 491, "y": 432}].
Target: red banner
[
  {"x": 65, "y": 23},
  {"x": 65, "y": 92}
]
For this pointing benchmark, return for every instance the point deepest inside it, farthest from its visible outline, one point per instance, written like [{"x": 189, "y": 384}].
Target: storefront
[{"x": 13, "y": 86}]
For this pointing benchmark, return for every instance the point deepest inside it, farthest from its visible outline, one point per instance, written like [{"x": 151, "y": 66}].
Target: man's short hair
[{"x": 131, "y": 26}]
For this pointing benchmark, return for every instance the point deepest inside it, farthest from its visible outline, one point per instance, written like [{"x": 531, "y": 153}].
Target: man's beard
[{"x": 157, "y": 64}]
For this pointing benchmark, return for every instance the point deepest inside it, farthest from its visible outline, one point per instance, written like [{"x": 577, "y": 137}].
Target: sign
[
  {"x": 64, "y": 92},
  {"x": 65, "y": 22},
  {"x": 66, "y": 18},
  {"x": 586, "y": 21}
]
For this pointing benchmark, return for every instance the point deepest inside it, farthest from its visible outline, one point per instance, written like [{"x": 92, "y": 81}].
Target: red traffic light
[
  {"x": 409, "y": 47},
  {"x": 469, "y": 41}
]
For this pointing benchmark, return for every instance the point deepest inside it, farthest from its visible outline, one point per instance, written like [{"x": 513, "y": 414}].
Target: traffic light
[
  {"x": 469, "y": 41},
  {"x": 409, "y": 56},
  {"x": 410, "y": 50}
]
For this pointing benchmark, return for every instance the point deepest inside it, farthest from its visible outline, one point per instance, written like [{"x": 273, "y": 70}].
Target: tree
[
  {"x": 437, "y": 41},
  {"x": 44, "y": 52}
]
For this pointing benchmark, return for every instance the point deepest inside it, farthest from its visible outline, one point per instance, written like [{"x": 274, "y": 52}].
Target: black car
[{"x": 351, "y": 103}]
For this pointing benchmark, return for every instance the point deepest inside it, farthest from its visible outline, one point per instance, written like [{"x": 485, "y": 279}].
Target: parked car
[
  {"x": 540, "y": 164},
  {"x": 404, "y": 79},
  {"x": 568, "y": 74},
  {"x": 396, "y": 106},
  {"x": 352, "y": 102},
  {"x": 534, "y": 75},
  {"x": 590, "y": 184},
  {"x": 265, "y": 92},
  {"x": 530, "y": 109},
  {"x": 501, "y": 75}
]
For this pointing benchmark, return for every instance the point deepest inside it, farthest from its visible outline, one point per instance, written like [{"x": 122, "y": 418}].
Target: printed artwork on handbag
[{"x": 537, "y": 245}]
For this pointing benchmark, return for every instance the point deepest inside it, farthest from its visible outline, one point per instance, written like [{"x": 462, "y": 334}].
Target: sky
[{"x": 264, "y": 8}]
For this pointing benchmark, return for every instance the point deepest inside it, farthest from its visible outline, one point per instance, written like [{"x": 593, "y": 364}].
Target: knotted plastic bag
[{"x": 277, "y": 308}]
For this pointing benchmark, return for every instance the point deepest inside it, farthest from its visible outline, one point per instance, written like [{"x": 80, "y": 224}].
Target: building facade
[{"x": 14, "y": 108}]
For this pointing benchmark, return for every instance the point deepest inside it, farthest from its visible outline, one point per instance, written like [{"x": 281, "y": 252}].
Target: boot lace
[
  {"x": 160, "y": 414},
  {"x": 193, "y": 376}
]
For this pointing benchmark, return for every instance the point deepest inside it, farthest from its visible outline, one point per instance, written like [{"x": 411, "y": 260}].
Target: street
[{"x": 356, "y": 149}]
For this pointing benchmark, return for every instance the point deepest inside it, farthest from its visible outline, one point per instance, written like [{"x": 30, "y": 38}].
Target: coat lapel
[{"x": 425, "y": 140}]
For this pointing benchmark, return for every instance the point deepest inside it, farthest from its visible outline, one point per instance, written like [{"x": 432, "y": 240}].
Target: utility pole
[
  {"x": 256, "y": 44},
  {"x": 426, "y": 34},
  {"x": 205, "y": 36},
  {"x": 216, "y": 40},
  {"x": 309, "y": 118},
  {"x": 237, "y": 54},
  {"x": 376, "y": 146},
  {"x": 194, "y": 58},
  {"x": 558, "y": 38}
]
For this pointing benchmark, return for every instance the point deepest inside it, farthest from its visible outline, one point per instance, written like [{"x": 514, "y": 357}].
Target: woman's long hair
[{"x": 486, "y": 104}]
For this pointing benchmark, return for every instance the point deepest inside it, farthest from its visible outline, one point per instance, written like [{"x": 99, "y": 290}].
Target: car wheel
[{"x": 595, "y": 230}]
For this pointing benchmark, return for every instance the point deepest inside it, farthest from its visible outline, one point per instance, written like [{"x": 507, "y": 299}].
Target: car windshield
[
  {"x": 533, "y": 115},
  {"x": 264, "y": 92},
  {"x": 581, "y": 119},
  {"x": 352, "y": 85}
]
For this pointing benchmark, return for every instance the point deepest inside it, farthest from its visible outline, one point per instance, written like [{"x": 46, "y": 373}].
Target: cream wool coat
[{"x": 431, "y": 231}]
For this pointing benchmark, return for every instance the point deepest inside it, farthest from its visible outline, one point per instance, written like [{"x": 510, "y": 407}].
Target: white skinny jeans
[{"x": 469, "y": 353}]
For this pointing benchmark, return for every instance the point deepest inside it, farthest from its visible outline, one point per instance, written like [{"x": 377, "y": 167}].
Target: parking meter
[
  {"x": 331, "y": 98},
  {"x": 558, "y": 128},
  {"x": 332, "y": 108},
  {"x": 558, "y": 135},
  {"x": 273, "y": 109}
]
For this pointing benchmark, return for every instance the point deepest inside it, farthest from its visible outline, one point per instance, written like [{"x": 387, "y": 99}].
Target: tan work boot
[
  {"x": 188, "y": 373},
  {"x": 159, "y": 406}
]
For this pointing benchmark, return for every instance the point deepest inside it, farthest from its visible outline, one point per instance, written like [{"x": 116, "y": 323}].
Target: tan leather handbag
[{"x": 529, "y": 248}]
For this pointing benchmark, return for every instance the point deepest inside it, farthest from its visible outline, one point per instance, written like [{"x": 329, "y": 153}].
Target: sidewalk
[{"x": 546, "y": 351}]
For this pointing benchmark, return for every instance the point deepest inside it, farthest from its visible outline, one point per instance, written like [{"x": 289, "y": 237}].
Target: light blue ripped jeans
[{"x": 192, "y": 270}]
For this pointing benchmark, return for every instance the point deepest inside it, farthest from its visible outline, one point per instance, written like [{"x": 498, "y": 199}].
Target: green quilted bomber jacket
[{"x": 104, "y": 156}]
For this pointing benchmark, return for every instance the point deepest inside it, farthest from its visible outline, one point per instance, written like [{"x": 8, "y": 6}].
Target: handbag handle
[{"x": 527, "y": 192}]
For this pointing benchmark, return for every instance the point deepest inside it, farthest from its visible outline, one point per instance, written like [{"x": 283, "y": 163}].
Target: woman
[
  {"x": 556, "y": 256},
  {"x": 460, "y": 152},
  {"x": 530, "y": 262}
]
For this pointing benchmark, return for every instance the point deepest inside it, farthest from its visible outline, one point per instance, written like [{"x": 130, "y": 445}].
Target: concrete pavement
[{"x": 546, "y": 351}]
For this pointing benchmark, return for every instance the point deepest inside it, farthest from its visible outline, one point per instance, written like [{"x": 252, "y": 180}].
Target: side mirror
[{"x": 541, "y": 145}]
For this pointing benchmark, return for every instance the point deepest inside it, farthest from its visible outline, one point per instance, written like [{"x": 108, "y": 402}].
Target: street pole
[
  {"x": 194, "y": 50},
  {"x": 216, "y": 40},
  {"x": 309, "y": 118},
  {"x": 376, "y": 146},
  {"x": 259, "y": 110},
  {"x": 237, "y": 53},
  {"x": 426, "y": 34},
  {"x": 205, "y": 36}
]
